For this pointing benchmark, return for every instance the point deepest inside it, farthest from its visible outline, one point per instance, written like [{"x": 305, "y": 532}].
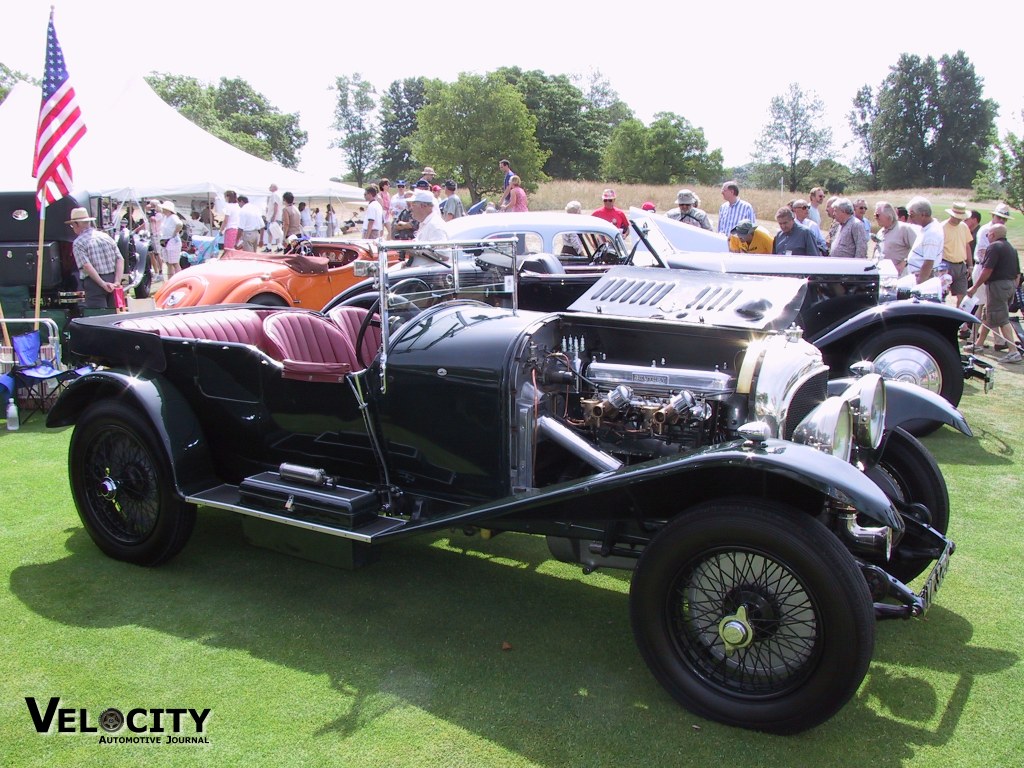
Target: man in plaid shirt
[{"x": 99, "y": 262}]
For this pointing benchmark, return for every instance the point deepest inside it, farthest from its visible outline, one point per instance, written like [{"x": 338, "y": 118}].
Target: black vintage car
[
  {"x": 767, "y": 524},
  {"x": 851, "y": 311}
]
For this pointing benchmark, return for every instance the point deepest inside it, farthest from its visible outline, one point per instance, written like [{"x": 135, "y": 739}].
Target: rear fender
[
  {"x": 809, "y": 467},
  {"x": 909, "y": 402},
  {"x": 254, "y": 286},
  {"x": 942, "y": 318},
  {"x": 181, "y": 437}
]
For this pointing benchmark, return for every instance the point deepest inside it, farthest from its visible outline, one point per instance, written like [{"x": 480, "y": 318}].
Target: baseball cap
[
  {"x": 400, "y": 183},
  {"x": 422, "y": 184},
  {"x": 744, "y": 228},
  {"x": 648, "y": 206},
  {"x": 450, "y": 184},
  {"x": 422, "y": 196},
  {"x": 608, "y": 194}
]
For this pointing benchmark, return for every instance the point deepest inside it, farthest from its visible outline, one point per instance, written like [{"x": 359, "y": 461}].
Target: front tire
[
  {"x": 121, "y": 483},
  {"x": 751, "y": 613},
  {"x": 908, "y": 472},
  {"x": 917, "y": 355}
]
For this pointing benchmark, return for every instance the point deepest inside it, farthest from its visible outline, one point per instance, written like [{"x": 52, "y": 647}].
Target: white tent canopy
[{"x": 137, "y": 146}]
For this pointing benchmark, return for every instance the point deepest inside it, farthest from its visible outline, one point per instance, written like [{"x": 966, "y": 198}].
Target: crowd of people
[{"x": 977, "y": 261}]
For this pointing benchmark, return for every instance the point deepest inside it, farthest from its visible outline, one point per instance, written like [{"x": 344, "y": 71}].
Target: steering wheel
[
  {"x": 605, "y": 254},
  {"x": 368, "y": 320}
]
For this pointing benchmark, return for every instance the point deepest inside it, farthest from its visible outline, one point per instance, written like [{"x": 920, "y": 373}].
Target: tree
[
  {"x": 565, "y": 127},
  {"x": 468, "y": 125},
  {"x": 353, "y": 120},
  {"x": 8, "y": 77},
  {"x": 965, "y": 120},
  {"x": 669, "y": 151},
  {"x": 604, "y": 109},
  {"x": 795, "y": 132},
  {"x": 1011, "y": 169},
  {"x": 861, "y": 119},
  {"x": 906, "y": 122},
  {"x": 677, "y": 153},
  {"x": 399, "y": 106},
  {"x": 625, "y": 157},
  {"x": 234, "y": 112}
]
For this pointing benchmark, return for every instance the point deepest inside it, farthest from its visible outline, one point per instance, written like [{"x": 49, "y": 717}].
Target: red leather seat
[
  {"x": 349, "y": 320},
  {"x": 241, "y": 326},
  {"x": 311, "y": 347}
]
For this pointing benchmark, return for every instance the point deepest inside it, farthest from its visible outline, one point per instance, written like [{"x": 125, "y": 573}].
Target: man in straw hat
[
  {"x": 957, "y": 256},
  {"x": 99, "y": 262}
]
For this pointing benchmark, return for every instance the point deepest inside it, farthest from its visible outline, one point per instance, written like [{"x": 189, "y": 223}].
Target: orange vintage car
[{"x": 307, "y": 280}]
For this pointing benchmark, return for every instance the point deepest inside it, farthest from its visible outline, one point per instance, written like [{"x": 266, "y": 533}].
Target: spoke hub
[
  {"x": 735, "y": 630},
  {"x": 108, "y": 488}
]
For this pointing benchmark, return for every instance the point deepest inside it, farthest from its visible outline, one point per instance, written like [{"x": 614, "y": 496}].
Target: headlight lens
[
  {"x": 829, "y": 428},
  {"x": 867, "y": 402}
]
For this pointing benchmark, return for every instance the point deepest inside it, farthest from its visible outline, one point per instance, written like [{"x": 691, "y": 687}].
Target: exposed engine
[{"x": 634, "y": 412}]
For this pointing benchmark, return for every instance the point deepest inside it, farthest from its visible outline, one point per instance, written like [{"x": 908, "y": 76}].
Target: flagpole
[{"x": 39, "y": 265}]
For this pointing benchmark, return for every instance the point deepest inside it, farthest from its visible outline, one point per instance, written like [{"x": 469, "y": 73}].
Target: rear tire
[
  {"x": 779, "y": 587},
  {"x": 121, "y": 483}
]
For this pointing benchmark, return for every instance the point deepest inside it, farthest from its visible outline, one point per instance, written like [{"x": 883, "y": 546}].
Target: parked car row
[{"x": 670, "y": 422}]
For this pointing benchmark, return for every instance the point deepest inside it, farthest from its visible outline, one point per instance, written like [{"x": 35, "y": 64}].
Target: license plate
[{"x": 931, "y": 586}]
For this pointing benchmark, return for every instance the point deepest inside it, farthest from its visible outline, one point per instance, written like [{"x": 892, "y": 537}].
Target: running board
[{"x": 230, "y": 497}]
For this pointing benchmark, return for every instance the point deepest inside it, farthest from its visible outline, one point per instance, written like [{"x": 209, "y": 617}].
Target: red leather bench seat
[{"x": 239, "y": 326}]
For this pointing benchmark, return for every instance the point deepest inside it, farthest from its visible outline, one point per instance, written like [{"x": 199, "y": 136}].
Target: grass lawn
[{"x": 402, "y": 663}]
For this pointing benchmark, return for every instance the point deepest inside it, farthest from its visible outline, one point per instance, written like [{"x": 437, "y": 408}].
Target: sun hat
[
  {"x": 744, "y": 228},
  {"x": 422, "y": 196},
  {"x": 79, "y": 214},
  {"x": 686, "y": 197},
  {"x": 167, "y": 205},
  {"x": 1002, "y": 210},
  {"x": 608, "y": 194},
  {"x": 429, "y": 170},
  {"x": 958, "y": 211}
]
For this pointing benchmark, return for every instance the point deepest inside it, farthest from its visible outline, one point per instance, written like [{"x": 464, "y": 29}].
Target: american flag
[{"x": 60, "y": 126}]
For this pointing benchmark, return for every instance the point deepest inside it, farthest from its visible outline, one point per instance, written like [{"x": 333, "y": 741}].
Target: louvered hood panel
[{"x": 709, "y": 298}]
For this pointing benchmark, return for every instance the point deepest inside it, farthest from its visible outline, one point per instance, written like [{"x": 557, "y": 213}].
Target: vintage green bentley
[{"x": 767, "y": 524}]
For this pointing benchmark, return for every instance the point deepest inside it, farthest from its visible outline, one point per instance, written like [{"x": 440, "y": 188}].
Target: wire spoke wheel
[
  {"x": 752, "y": 613},
  {"x": 122, "y": 484},
  {"x": 770, "y": 649}
]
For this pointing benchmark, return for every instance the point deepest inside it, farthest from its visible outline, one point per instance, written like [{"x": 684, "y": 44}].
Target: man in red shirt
[{"x": 610, "y": 213}]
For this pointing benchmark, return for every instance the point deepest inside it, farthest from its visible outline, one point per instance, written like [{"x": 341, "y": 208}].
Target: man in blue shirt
[
  {"x": 733, "y": 210},
  {"x": 792, "y": 239}
]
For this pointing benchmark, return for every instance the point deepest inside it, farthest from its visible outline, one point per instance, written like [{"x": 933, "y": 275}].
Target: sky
[{"x": 719, "y": 72}]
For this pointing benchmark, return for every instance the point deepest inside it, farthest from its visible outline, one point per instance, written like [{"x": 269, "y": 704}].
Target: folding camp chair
[{"x": 37, "y": 379}]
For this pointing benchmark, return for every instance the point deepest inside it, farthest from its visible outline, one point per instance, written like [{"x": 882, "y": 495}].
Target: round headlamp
[
  {"x": 829, "y": 428},
  {"x": 868, "y": 406}
]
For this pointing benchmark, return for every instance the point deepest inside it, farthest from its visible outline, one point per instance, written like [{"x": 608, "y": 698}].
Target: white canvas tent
[{"x": 137, "y": 146}]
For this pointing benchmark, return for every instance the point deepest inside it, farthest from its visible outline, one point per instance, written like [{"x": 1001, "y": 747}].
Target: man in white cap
[
  {"x": 99, "y": 262},
  {"x": 957, "y": 256},
  {"x": 688, "y": 212},
  {"x": 431, "y": 228}
]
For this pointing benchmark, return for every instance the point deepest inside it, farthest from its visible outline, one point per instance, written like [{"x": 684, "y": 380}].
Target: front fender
[
  {"x": 909, "y": 402},
  {"x": 941, "y": 317},
  {"x": 821, "y": 472},
  {"x": 182, "y": 438}
]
